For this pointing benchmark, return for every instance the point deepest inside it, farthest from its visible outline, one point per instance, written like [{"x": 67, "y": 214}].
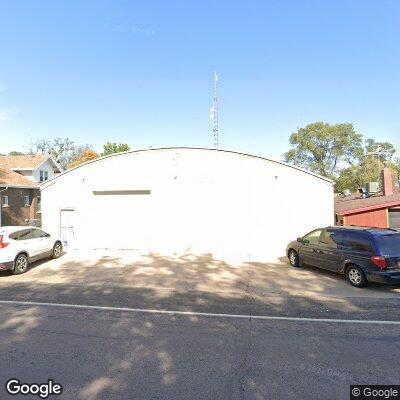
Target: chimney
[{"x": 387, "y": 181}]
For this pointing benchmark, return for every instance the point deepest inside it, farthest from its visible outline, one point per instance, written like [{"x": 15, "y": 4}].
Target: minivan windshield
[{"x": 389, "y": 244}]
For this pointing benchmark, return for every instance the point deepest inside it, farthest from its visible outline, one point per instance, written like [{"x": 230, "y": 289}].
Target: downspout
[{"x": 1, "y": 202}]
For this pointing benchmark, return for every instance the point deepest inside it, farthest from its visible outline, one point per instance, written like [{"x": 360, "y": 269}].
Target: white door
[{"x": 67, "y": 226}]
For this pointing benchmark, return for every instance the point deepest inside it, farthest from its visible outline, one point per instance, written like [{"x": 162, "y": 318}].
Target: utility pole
[{"x": 214, "y": 112}]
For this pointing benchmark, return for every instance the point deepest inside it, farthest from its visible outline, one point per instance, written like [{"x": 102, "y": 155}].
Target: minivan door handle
[{"x": 318, "y": 251}]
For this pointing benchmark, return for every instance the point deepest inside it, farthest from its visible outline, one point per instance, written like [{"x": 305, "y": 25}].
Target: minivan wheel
[
  {"x": 293, "y": 258},
  {"x": 57, "y": 249},
  {"x": 356, "y": 276},
  {"x": 21, "y": 264}
]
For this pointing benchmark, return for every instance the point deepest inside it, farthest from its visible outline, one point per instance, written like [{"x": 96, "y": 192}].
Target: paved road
[
  {"x": 116, "y": 355},
  {"x": 111, "y": 354}
]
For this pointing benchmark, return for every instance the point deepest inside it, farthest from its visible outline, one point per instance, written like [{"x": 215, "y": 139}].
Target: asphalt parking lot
[{"x": 115, "y": 349}]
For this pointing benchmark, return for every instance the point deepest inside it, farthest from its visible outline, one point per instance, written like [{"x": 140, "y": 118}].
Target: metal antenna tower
[{"x": 214, "y": 112}]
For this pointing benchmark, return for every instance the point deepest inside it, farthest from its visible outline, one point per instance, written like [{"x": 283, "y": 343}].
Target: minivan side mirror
[{"x": 300, "y": 240}]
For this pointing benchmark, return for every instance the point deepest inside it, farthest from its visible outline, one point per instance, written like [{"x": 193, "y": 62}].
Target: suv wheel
[
  {"x": 293, "y": 258},
  {"x": 21, "y": 264},
  {"x": 356, "y": 276},
  {"x": 57, "y": 249}
]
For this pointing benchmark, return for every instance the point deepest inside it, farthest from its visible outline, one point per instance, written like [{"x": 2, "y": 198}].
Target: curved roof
[{"x": 47, "y": 183}]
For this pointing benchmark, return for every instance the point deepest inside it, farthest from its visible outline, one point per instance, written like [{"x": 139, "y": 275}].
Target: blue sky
[{"x": 141, "y": 72}]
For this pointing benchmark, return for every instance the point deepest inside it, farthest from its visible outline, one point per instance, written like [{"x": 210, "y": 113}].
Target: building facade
[
  {"x": 382, "y": 210},
  {"x": 186, "y": 200},
  {"x": 20, "y": 178}
]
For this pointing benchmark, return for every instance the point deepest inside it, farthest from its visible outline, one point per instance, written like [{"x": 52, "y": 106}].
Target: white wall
[{"x": 201, "y": 201}]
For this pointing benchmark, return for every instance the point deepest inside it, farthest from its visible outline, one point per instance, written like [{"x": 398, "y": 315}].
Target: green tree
[
  {"x": 61, "y": 149},
  {"x": 395, "y": 166},
  {"x": 384, "y": 150},
  {"x": 322, "y": 148},
  {"x": 368, "y": 166},
  {"x": 16, "y": 153},
  {"x": 357, "y": 175},
  {"x": 111, "y": 148}
]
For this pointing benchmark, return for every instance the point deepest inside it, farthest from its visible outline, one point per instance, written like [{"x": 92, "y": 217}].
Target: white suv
[{"x": 20, "y": 245}]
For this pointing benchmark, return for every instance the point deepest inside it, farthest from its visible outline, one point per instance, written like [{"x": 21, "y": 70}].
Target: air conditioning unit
[
  {"x": 373, "y": 187},
  {"x": 346, "y": 192}
]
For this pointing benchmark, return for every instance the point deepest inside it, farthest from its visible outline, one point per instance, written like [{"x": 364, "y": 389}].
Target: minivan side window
[
  {"x": 356, "y": 241},
  {"x": 331, "y": 238},
  {"x": 312, "y": 237}
]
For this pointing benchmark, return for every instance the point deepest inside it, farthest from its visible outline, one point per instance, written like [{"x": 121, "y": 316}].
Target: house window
[
  {"x": 44, "y": 175},
  {"x": 5, "y": 201},
  {"x": 26, "y": 201}
]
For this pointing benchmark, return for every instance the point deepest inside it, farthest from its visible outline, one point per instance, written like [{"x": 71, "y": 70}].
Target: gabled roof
[
  {"x": 25, "y": 161},
  {"x": 353, "y": 204},
  {"x": 14, "y": 179}
]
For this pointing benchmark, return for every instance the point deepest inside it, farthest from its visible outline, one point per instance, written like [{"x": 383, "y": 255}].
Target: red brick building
[
  {"x": 381, "y": 210},
  {"x": 20, "y": 177}
]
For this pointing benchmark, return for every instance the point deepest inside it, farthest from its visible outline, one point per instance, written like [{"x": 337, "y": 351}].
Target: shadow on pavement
[{"x": 162, "y": 348}]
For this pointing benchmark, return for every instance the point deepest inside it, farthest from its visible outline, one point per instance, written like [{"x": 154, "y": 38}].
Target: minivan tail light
[
  {"x": 379, "y": 261},
  {"x": 3, "y": 244}
]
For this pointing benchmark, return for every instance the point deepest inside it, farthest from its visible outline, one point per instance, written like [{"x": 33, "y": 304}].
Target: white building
[{"x": 191, "y": 200}]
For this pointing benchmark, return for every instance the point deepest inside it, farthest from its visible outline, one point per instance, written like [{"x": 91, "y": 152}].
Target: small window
[
  {"x": 26, "y": 201},
  {"x": 330, "y": 238},
  {"x": 312, "y": 237},
  {"x": 43, "y": 175},
  {"x": 5, "y": 201}
]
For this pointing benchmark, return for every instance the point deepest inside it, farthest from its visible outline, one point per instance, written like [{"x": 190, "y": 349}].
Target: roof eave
[
  {"x": 58, "y": 167},
  {"x": 22, "y": 169},
  {"x": 369, "y": 208},
  {"x": 18, "y": 186},
  {"x": 323, "y": 178}
]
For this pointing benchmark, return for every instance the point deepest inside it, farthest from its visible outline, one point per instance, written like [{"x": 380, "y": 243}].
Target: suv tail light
[
  {"x": 3, "y": 244},
  {"x": 379, "y": 261}
]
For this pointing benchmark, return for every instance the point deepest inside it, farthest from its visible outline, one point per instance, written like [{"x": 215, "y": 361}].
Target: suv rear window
[
  {"x": 389, "y": 244},
  {"x": 20, "y": 235}
]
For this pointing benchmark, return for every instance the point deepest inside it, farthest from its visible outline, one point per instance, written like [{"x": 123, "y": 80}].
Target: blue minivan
[{"x": 362, "y": 254}]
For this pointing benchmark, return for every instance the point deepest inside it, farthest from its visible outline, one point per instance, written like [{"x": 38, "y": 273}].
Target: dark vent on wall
[{"x": 120, "y": 192}]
